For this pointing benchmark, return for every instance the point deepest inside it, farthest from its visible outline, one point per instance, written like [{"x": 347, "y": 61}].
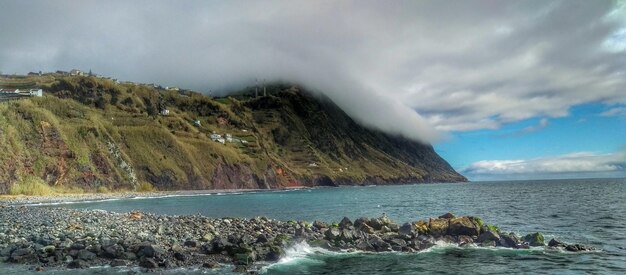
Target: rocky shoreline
[
  {"x": 90, "y": 197},
  {"x": 64, "y": 238}
]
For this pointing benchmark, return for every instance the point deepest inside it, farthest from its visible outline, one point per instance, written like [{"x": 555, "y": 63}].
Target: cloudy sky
[{"x": 513, "y": 88}]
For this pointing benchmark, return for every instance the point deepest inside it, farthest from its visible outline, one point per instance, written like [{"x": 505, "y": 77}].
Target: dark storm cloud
[{"x": 463, "y": 64}]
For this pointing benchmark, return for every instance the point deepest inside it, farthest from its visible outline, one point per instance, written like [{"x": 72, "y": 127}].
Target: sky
[{"x": 502, "y": 89}]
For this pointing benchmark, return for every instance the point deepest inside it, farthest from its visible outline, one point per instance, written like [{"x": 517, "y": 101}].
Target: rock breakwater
[{"x": 66, "y": 238}]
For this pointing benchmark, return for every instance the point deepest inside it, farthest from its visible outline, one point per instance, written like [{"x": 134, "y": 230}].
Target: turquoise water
[{"x": 591, "y": 212}]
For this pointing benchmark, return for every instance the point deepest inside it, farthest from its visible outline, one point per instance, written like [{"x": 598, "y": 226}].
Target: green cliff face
[{"x": 95, "y": 135}]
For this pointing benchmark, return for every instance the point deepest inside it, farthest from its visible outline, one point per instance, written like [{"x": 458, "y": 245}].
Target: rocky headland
[{"x": 64, "y": 238}]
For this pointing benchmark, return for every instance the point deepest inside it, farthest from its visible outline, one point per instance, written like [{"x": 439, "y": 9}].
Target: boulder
[
  {"x": 378, "y": 243},
  {"x": 113, "y": 251},
  {"x": 360, "y": 222},
  {"x": 261, "y": 238},
  {"x": 398, "y": 244},
  {"x": 148, "y": 250},
  {"x": 406, "y": 230},
  {"x": 211, "y": 264},
  {"x": 438, "y": 227},
  {"x": 555, "y": 243},
  {"x": 23, "y": 255},
  {"x": 534, "y": 239},
  {"x": 345, "y": 223},
  {"x": 363, "y": 245},
  {"x": 77, "y": 264},
  {"x": 332, "y": 234},
  {"x": 447, "y": 216},
  {"x": 488, "y": 236},
  {"x": 148, "y": 263},
  {"x": 421, "y": 227},
  {"x": 86, "y": 255},
  {"x": 245, "y": 258},
  {"x": 207, "y": 237},
  {"x": 191, "y": 243},
  {"x": 320, "y": 225},
  {"x": 118, "y": 262},
  {"x": 509, "y": 240},
  {"x": 577, "y": 248},
  {"x": 463, "y": 226},
  {"x": 347, "y": 235},
  {"x": 179, "y": 256}
]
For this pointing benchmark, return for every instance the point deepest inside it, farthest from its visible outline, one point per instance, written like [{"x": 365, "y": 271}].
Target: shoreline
[
  {"x": 95, "y": 197},
  {"x": 61, "y": 238}
]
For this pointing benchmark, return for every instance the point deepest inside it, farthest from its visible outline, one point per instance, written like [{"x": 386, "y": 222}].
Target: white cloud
[
  {"x": 616, "y": 111},
  {"x": 462, "y": 65},
  {"x": 575, "y": 163}
]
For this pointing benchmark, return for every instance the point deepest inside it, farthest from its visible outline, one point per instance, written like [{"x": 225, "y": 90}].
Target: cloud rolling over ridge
[{"x": 415, "y": 68}]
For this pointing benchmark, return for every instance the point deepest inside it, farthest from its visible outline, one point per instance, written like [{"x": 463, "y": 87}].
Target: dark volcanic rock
[
  {"x": 534, "y": 239},
  {"x": 406, "y": 229},
  {"x": 555, "y": 243},
  {"x": 148, "y": 263},
  {"x": 345, "y": 223},
  {"x": 447, "y": 216},
  {"x": 488, "y": 236},
  {"x": 463, "y": 226}
]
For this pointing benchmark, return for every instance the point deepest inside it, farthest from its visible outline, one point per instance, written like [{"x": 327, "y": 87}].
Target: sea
[{"x": 586, "y": 211}]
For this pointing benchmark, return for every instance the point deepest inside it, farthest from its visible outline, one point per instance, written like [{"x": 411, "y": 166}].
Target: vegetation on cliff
[{"x": 94, "y": 134}]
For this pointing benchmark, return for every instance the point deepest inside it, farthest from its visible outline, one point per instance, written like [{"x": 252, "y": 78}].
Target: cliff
[{"x": 94, "y": 134}]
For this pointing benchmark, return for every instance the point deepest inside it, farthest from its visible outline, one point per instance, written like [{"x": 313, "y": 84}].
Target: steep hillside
[{"x": 94, "y": 134}]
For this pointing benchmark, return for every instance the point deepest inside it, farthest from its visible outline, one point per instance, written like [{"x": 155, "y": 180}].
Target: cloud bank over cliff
[{"x": 415, "y": 68}]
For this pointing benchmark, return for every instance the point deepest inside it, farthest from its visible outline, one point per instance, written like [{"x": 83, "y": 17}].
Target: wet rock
[
  {"x": 347, "y": 235},
  {"x": 320, "y": 225},
  {"x": 421, "y": 227},
  {"x": 534, "y": 239},
  {"x": 118, "y": 262},
  {"x": 23, "y": 255},
  {"x": 77, "y": 264},
  {"x": 438, "y": 227},
  {"x": 447, "y": 216},
  {"x": 463, "y": 226},
  {"x": 191, "y": 243},
  {"x": 211, "y": 264},
  {"x": 378, "y": 243},
  {"x": 332, "y": 234},
  {"x": 464, "y": 240},
  {"x": 488, "y": 236},
  {"x": 363, "y": 245},
  {"x": 207, "y": 237},
  {"x": 179, "y": 256},
  {"x": 406, "y": 229},
  {"x": 577, "y": 248},
  {"x": 148, "y": 263},
  {"x": 509, "y": 240},
  {"x": 555, "y": 243},
  {"x": 345, "y": 223},
  {"x": 113, "y": 251},
  {"x": 262, "y": 238},
  {"x": 397, "y": 244},
  {"x": 148, "y": 250},
  {"x": 86, "y": 255}
]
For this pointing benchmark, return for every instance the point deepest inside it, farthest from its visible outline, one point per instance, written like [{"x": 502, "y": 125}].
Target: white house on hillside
[{"x": 36, "y": 92}]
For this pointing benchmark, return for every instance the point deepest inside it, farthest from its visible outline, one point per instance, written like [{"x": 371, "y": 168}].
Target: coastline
[
  {"x": 95, "y": 197},
  {"x": 61, "y": 238}
]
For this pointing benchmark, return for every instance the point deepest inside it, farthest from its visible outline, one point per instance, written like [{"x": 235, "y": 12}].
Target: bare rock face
[
  {"x": 438, "y": 227},
  {"x": 463, "y": 226},
  {"x": 236, "y": 176}
]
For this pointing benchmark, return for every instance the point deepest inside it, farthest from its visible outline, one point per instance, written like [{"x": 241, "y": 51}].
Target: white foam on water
[{"x": 298, "y": 254}]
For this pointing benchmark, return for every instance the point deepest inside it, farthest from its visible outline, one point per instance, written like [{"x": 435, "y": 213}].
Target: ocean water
[{"x": 590, "y": 212}]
